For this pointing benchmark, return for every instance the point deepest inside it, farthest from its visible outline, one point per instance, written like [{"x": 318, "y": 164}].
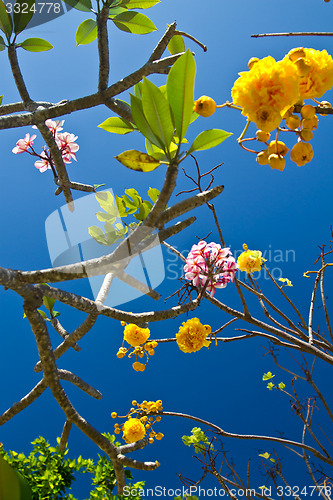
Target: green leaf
[
  {"x": 153, "y": 194},
  {"x": 267, "y": 376},
  {"x": 43, "y": 315},
  {"x": 136, "y": 160},
  {"x": 55, "y": 314},
  {"x": 139, "y": 4},
  {"x": 157, "y": 112},
  {"x": 180, "y": 90},
  {"x": 86, "y": 32},
  {"x": 13, "y": 486},
  {"x": 48, "y": 303},
  {"x": 6, "y": 23},
  {"x": 208, "y": 139},
  {"x": 1, "y": 97},
  {"x": 116, "y": 125},
  {"x": 36, "y": 45},
  {"x": 140, "y": 120},
  {"x": 176, "y": 45},
  {"x": 114, "y": 11},
  {"x": 84, "y": 5},
  {"x": 138, "y": 90},
  {"x": 96, "y": 186},
  {"x": 98, "y": 235},
  {"x": 22, "y": 15},
  {"x": 270, "y": 386},
  {"x": 286, "y": 281},
  {"x": 281, "y": 385},
  {"x": 265, "y": 455},
  {"x": 133, "y": 22}
]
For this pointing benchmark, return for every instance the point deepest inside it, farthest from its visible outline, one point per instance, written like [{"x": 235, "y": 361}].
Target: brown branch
[{"x": 103, "y": 48}]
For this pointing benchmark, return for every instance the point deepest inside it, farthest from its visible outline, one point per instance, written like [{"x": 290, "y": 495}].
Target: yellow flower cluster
[
  {"x": 137, "y": 338},
  {"x": 315, "y": 69},
  {"x": 266, "y": 91},
  {"x": 135, "y": 335},
  {"x": 139, "y": 421},
  {"x": 133, "y": 430},
  {"x": 191, "y": 336},
  {"x": 250, "y": 261}
]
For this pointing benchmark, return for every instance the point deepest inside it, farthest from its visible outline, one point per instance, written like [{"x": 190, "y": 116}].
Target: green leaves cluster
[
  {"x": 47, "y": 474},
  {"x": 267, "y": 456},
  {"x": 120, "y": 13},
  {"x": 163, "y": 115},
  {"x": 116, "y": 208},
  {"x": 270, "y": 385},
  {"x": 15, "y": 20},
  {"x": 199, "y": 440}
]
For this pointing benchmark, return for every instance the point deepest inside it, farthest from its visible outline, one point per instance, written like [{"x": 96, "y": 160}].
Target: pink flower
[
  {"x": 23, "y": 145},
  {"x": 42, "y": 164},
  {"x": 210, "y": 262},
  {"x": 66, "y": 143},
  {"x": 54, "y": 125}
]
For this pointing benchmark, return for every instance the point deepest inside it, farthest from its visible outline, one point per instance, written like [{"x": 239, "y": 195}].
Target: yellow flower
[
  {"x": 139, "y": 367},
  {"x": 133, "y": 430},
  {"x": 319, "y": 77},
  {"x": 121, "y": 353},
  {"x": 204, "y": 106},
  {"x": 192, "y": 335},
  {"x": 250, "y": 261},
  {"x": 267, "y": 91},
  {"x": 135, "y": 335},
  {"x": 301, "y": 153}
]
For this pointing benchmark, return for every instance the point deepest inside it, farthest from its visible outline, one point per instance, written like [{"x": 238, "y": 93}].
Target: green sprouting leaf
[
  {"x": 263, "y": 488},
  {"x": 86, "y": 32},
  {"x": 96, "y": 186},
  {"x": 106, "y": 201},
  {"x": 116, "y": 125},
  {"x": 265, "y": 455},
  {"x": 153, "y": 194},
  {"x": 272, "y": 460},
  {"x": 180, "y": 90},
  {"x": 55, "y": 314},
  {"x": 143, "y": 211},
  {"x": 270, "y": 386},
  {"x": 43, "y": 315},
  {"x": 157, "y": 112},
  {"x": 103, "y": 217},
  {"x": 134, "y": 195},
  {"x": 48, "y": 303},
  {"x": 133, "y": 22},
  {"x": 6, "y": 23},
  {"x": 1, "y": 97},
  {"x": 13, "y": 486},
  {"x": 2, "y": 44},
  {"x": 22, "y": 15},
  {"x": 84, "y": 5},
  {"x": 286, "y": 281},
  {"x": 267, "y": 376},
  {"x": 36, "y": 45},
  {"x": 281, "y": 385},
  {"x": 176, "y": 45},
  {"x": 140, "y": 120},
  {"x": 208, "y": 139},
  {"x": 139, "y": 4},
  {"x": 98, "y": 235},
  {"x": 121, "y": 207}
]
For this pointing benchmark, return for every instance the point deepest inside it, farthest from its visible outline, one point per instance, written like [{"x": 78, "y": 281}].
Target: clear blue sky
[{"x": 269, "y": 210}]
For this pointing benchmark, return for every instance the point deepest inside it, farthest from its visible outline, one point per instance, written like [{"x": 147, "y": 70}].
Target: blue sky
[{"x": 272, "y": 211}]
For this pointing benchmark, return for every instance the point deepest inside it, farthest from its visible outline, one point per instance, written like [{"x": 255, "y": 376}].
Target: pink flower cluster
[
  {"x": 210, "y": 262},
  {"x": 65, "y": 142}
]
